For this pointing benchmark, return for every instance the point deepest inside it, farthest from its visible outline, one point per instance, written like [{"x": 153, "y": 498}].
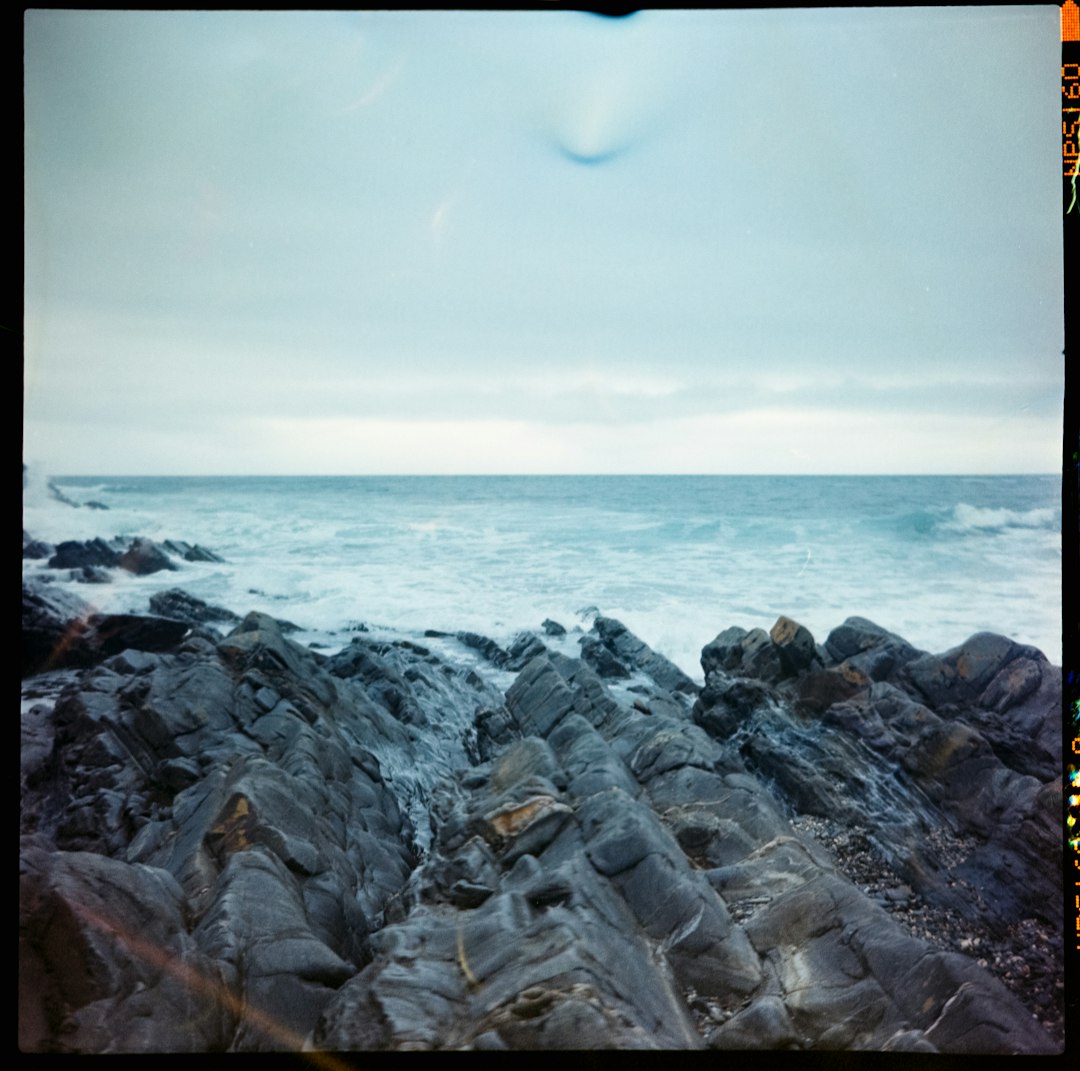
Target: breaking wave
[{"x": 967, "y": 518}]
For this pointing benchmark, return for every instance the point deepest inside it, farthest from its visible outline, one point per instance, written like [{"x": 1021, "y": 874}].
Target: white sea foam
[
  {"x": 676, "y": 559},
  {"x": 967, "y": 518}
]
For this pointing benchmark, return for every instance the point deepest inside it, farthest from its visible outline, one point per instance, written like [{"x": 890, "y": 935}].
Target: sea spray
[{"x": 677, "y": 559}]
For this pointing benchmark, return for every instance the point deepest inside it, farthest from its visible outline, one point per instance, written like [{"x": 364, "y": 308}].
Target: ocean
[{"x": 676, "y": 558}]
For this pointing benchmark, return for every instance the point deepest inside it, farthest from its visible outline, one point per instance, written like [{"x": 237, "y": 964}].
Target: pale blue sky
[{"x": 696, "y": 241}]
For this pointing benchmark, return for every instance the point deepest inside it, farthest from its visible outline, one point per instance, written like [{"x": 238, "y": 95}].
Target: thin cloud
[{"x": 424, "y": 220}]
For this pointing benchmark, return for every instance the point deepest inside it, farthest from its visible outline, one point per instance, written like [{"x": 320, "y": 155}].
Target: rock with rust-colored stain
[
  {"x": 233, "y": 832},
  {"x": 509, "y": 822},
  {"x": 821, "y": 689},
  {"x": 527, "y": 828},
  {"x": 794, "y": 643}
]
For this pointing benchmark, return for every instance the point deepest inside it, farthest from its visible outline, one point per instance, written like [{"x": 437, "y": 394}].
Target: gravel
[{"x": 1026, "y": 957}]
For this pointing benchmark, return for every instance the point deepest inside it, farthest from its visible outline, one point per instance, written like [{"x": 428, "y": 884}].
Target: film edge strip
[
  {"x": 1070, "y": 142},
  {"x": 1070, "y": 99}
]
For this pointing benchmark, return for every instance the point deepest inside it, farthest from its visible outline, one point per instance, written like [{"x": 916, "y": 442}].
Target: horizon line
[{"x": 535, "y": 475}]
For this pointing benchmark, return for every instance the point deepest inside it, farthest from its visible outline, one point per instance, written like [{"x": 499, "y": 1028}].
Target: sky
[{"x": 698, "y": 241}]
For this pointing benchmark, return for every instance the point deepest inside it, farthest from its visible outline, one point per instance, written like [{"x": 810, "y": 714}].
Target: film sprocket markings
[
  {"x": 1070, "y": 101},
  {"x": 1073, "y": 818},
  {"x": 1070, "y": 141},
  {"x": 1070, "y": 117}
]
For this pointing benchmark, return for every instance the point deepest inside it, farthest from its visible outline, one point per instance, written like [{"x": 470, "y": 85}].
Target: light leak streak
[{"x": 198, "y": 982}]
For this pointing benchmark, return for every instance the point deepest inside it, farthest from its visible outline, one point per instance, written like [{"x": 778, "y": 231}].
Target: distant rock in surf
[
  {"x": 144, "y": 557},
  {"x": 73, "y": 554},
  {"x": 139, "y": 555},
  {"x": 35, "y": 549},
  {"x": 190, "y": 553},
  {"x": 181, "y": 606}
]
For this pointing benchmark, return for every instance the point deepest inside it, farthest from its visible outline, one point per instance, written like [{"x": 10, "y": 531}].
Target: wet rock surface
[
  {"x": 236, "y": 843},
  {"x": 1025, "y": 956},
  {"x": 91, "y": 559}
]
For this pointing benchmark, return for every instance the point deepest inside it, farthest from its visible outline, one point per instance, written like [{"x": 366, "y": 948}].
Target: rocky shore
[{"x": 232, "y": 842}]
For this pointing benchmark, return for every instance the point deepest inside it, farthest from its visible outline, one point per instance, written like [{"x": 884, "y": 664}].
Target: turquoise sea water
[{"x": 677, "y": 558}]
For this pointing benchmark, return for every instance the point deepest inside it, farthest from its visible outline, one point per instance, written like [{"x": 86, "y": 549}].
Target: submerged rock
[{"x": 190, "y": 553}]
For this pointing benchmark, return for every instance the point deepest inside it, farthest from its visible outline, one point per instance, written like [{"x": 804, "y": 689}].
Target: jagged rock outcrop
[
  {"x": 86, "y": 559},
  {"x": 190, "y": 552},
  {"x": 208, "y": 764},
  {"x": 35, "y": 549},
  {"x": 61, "y": 630},
  {"x": 72, "y": 554},
  {"x": 237, "y": 843},
  {"x": 49, "y": 614},
  {"x": 180, "y": 606},
  {"x": 144, "y": 557},
  {"x": 890, "y": 739},
  {"x": 631, "y": 651}
]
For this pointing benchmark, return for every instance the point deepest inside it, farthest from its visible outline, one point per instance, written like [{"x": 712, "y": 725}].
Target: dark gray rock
[
  {"x": 794, "y": 645},
  {"x": 495, "y": 729},
  {"x": 727, "y": 702},
  {"x": 106, "y": 962},
  {"x": 725, "y": 652},
  {"x": 539, "y": 698},
  {"x": 140, "y": 556},
  {"x": 487, "y": 647},
  {"x": 524, "y": 648},
  {"x": 180, "y": 606},
  {"x": 745, "y": 654},
  {"x": 56, "y": 493},
  {"x": 763, "y": 1024},
  {"x": 1018, "y": 713},
  {"x": 379, "y": 850},
  {"x": 189, "y": 552},
  {"x": 72, "y": 554},
  {"x": 878, "y": 758},
  {"x": 869, "y": 649},
  {"x": 959, "y": 676},
  {"x": 35, "y": 549},
  {"x": 258, "y": 929},
  {"x": 144, "y": 557},
  {"x": 600, "y": 658},
  {"x": 1006, "y": 690},
  {"x": 109, "y": 634},
  {"x": 631, "y": 651},
  {"x": 90, "y": 574},
  {"x": 60, "y": 630},
  {"x": 821, "y": 689},
  {"x": 857, "y": 980},
  {"x": 50, "y": 614},
  {"x": 590, "y": 764},
  {"x": 545, "y": 956}
]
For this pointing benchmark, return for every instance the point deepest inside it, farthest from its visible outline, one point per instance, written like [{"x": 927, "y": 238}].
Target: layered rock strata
[{"x": 232, "y": 842}]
